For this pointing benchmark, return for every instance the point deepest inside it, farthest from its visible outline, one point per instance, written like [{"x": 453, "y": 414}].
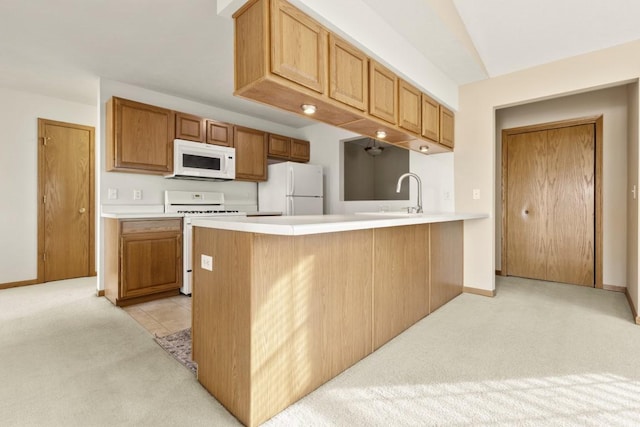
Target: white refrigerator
[{"x": 292, "y": 188}]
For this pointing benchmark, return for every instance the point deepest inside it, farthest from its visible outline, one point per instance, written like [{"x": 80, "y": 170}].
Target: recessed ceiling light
[
  {"x": 424, "y": 148},
  {"x": 308, "y": 108},
  {"x": 381, "y": 134}
]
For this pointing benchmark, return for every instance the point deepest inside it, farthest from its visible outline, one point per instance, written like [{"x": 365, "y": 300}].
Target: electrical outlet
[
  {"x": 137, "y": 194},
  {"x": 447, "y": 195},
  {"x": 112, "y": 194},
  {"x": 476, "y": 194},
  {"x": 206, "y": 262}
]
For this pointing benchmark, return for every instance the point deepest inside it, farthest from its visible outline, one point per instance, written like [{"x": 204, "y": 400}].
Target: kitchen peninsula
[{"x": 283, "y": 304}]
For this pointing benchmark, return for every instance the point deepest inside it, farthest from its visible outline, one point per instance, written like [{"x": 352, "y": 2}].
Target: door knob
[{"x": 82, "y": 210}]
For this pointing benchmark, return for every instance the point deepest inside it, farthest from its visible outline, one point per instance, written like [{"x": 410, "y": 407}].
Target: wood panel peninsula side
[{"x": 291, "y": 302}]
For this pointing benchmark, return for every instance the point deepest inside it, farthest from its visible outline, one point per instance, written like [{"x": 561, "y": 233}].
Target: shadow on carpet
[{"x": 179, "y": 346}]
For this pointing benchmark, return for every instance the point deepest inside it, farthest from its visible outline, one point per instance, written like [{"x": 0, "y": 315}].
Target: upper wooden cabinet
[
  {"x": 190, "y": 127},
  {"x": 279, "y": 146},
  {"x": 300, "y": 150},
  {"x": 285, "y": 148},
  {"x": 430, "y": 118},
  {"x": 348, "y": 74},
  {"x": 219, "y": 133},
  {"x": 139, "y": 137},
  {"x": 299, "y": 47},
  {"x": 446, "y": 127},
  {"x": 286, "y": 59},
  {"x": 383, "y": 93},
  {"x": 409, "y": 107},
  {"x": 251, "y": 154}
]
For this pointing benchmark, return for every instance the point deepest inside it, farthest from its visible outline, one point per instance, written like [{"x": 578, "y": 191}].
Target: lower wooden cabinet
[{"x": 143, "y": 259}]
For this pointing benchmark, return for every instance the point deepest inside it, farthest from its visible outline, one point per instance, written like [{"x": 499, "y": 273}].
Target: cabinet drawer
[{"x": 150, "y": 225}]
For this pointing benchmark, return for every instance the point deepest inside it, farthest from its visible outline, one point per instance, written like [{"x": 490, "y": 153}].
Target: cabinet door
[
  {"x": 251, "y": 154},
  {"x": 190, "y": 127},
  {"x": 409, "y": 107},
  {"x": 348, "y": 74},
  {"x": 383, "y": 93},
  {"x": 151, "y": 263},
  {"x": 279, "y": 146},
  {"x": 446, "y": 127},
  {"x": 430, "y": 118},
  {"x": 300, "y": 150},
  {"x": 141, "y": 138},
  {"x": 298, "y": 47},
  {"x": 219, "y": 133}
]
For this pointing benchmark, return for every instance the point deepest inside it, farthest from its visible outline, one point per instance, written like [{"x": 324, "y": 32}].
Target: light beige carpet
[{"x": 536, "y": 354}]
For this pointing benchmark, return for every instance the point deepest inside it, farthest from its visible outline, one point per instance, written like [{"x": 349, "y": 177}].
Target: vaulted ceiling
[{"x": 184, "y": 48}]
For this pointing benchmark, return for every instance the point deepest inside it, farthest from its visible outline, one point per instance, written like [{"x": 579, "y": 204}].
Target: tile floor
[{"x": 164, "y": 316}]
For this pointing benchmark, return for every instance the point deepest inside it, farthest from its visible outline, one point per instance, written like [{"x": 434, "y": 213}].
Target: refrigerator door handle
[
  {"x": 292, "y": 185},
  {"x": 290, "y": 208}
]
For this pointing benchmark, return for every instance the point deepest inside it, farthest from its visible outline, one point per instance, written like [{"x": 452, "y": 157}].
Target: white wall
[
  {"x": 612, "y": 104},
  {"x": 19, "y": 113},
  {"x": 475, "y": 155},
  {"x": 632, "y": 180},
  {"x": 436, "y": 172},
  {"x": 241, "y": 195}
]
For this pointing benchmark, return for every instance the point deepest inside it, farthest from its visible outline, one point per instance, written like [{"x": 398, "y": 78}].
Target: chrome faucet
[{"x": 399, "y": 186}]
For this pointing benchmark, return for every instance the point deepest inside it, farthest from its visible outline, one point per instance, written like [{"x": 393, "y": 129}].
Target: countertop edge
[{"x": 297, "y": 226}]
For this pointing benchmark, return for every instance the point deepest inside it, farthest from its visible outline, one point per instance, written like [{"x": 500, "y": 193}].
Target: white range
[{"x": 194, "y": 204}]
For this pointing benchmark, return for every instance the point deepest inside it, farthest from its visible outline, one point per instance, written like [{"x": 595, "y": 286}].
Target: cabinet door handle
[{"x": 82, "y": 210}]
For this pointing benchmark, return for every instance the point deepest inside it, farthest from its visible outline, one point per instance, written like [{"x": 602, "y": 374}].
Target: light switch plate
[{"x": 206, "y": 262}]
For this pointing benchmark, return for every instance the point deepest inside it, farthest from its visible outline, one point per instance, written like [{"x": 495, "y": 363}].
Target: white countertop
[
  {"x": 316, "y": 224},
  {"x": 143, "y": 215}
]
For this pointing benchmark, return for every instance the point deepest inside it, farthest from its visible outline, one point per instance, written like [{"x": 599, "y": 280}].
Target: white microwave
[{"x": 196, "y": 160}]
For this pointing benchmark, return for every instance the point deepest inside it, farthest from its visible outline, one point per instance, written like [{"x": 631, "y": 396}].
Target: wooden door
[
  {"x": 571, "y": 205},
  {"x": 298, "y": 47},
  {"x": 219, "y": 133},
  {"x": 151, "y": 263},
  {"x": 383, "y": 93},
  {"x": 190, "y": 127},
  {"x": 66, "y": 232},
  {"x": 430, "y": 118},
  {"x": 348, "y": 74},
  {"x": 279, "y": 146},
  {"x": 300, "y": 150},
  {"x": 409, "y": 107},
  {"x": 526, "y": 208},
  {"x": 139, "y": 137},
  {"x": 550, "y": 209},
  {"x": 447, "y": 127},
  {"x": 251, "y": 154}
]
